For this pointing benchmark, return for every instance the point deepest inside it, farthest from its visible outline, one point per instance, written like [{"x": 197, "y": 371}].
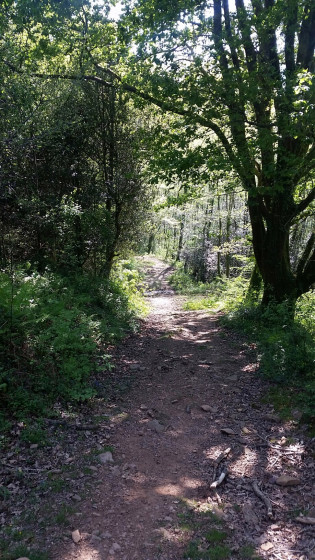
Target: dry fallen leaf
[{"x": 266, "y": 546}]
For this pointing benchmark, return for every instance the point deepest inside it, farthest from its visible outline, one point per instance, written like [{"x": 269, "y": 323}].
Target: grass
[
  {"x": 62, "y": 517},
  {"x": 247, "y": 552},
  {"x": 205, "y": 531},
  {"x": 20, "y": 552}
]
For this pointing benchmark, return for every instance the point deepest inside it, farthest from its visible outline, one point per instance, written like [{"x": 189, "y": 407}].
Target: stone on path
[
  {"x": 206, "y": 408},
  {"x": 228, "y": 431},
  {"x": 76, "y": 536},
  {"x": 156, "y": 426},
  {"x": 266, "y": 546},
  {"x": 106, "y": 457}
]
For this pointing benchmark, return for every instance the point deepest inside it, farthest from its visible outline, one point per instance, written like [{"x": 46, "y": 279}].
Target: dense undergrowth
[
  {"x": 54, "y": 334},
  {"x": 284, "y": 349}
]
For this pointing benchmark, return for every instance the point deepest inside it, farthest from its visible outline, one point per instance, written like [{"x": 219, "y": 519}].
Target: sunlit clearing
[
  {"x": 169, "y": 490},
  {"x": 86, "y": 554}
]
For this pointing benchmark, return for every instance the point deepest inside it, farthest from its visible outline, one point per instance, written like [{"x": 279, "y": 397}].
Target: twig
[
  {"x": 219, "y": 481},
  {"x": 264, "y": 498},
  {"x": 218, "y": 497},
  {"x": 218, "y": 460},
  {"x": 305, "y": 520}
]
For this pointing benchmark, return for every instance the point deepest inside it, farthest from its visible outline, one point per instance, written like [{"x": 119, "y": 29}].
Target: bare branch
[
  {"x": 305, "y": 203},
  {"x": 305, "y": 256}
]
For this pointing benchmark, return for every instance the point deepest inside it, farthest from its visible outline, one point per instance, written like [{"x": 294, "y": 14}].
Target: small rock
[
  {"x": 206, "y": 408},
  {"x": 143, "y": 407},
  {"x": 156, "y": 426},
  {"x": 114, "y": 548},
  {"x": 76, "y": 497},
  {"x": 76, "y": 536},
  {"x": 228, "y": 431},
  {"x": 134, "y": 367},
  {"x": 106, "y": 457},
  {"x": 287, "y": 480},
  {"x": 266, "y": 546},
  {"x": 23, "y": 558},
  {"x": 94, "y": 469},
  {"x": 246, "y": 430},
  {"x": 106, "y": 535},
  {"x": 34, "y": 446}
]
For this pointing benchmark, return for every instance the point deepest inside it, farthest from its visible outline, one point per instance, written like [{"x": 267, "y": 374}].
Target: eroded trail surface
[{"x": 193, "y": 392}]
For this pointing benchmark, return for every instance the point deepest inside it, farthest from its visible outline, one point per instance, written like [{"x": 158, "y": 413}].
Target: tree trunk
[
  {"x": 255, "y": 284},
  {"x": 279, "y": 281},
  {"x": 150, "y": 243},
  {"x": 271, "y": 248},
  {"x": 180, "y": 240}
]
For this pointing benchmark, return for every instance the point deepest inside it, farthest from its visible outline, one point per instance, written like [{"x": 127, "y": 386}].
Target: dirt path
[
  {"x": 191, "y": 381},
  {"x": 155, "y": 497}
]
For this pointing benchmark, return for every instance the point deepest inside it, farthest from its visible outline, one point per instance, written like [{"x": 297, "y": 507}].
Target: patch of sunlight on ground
[{"x": 246, "y": 463}]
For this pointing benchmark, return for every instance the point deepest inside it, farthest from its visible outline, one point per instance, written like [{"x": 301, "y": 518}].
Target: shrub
[{"x": 53, "y": 335}]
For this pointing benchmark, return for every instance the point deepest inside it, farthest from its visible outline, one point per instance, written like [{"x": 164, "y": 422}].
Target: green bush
[
  {"x": 285, "y": 348},
  {"x": 53, "y": 335}
]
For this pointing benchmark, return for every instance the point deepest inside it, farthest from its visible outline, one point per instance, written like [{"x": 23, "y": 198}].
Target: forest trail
[
  {"x": 156, "y": 496},
  {"x": 190, "y": 382}
]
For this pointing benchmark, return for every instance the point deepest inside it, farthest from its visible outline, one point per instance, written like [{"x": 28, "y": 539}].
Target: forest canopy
[{"x": 239, "y": 77}]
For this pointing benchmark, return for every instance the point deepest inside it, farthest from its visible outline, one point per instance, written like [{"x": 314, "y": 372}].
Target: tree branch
[
  {"x": 165, "y": 106},
  {"x": 306, "y": 267},
  {"x": 251, "y": 57},
  {"x": 228, "y": 31},
  {"x": 304, "y": 203},
  {"x": 306, "y": 253},
  {"x": 306, "y": 165}
]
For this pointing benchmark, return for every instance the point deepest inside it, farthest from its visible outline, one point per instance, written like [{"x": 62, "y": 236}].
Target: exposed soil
[{"x": 155, "y": 498}]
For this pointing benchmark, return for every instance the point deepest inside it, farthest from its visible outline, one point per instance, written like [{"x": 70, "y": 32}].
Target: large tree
[{"x": 243, "y": 76}]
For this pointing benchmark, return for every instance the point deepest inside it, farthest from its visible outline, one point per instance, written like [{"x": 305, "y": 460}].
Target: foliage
[
  {"x": 221, "y": 293},
  {"x": 285, "y": 350},
  {"x": 22, "y": 551},
  {"x": 53, "y": 334}
]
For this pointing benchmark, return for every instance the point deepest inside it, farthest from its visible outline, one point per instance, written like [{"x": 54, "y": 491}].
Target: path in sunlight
[{"x": 156, "y": 498}]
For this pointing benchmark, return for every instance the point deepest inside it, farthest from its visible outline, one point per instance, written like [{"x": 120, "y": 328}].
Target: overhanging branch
[{"x": 164, "y": 105}]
